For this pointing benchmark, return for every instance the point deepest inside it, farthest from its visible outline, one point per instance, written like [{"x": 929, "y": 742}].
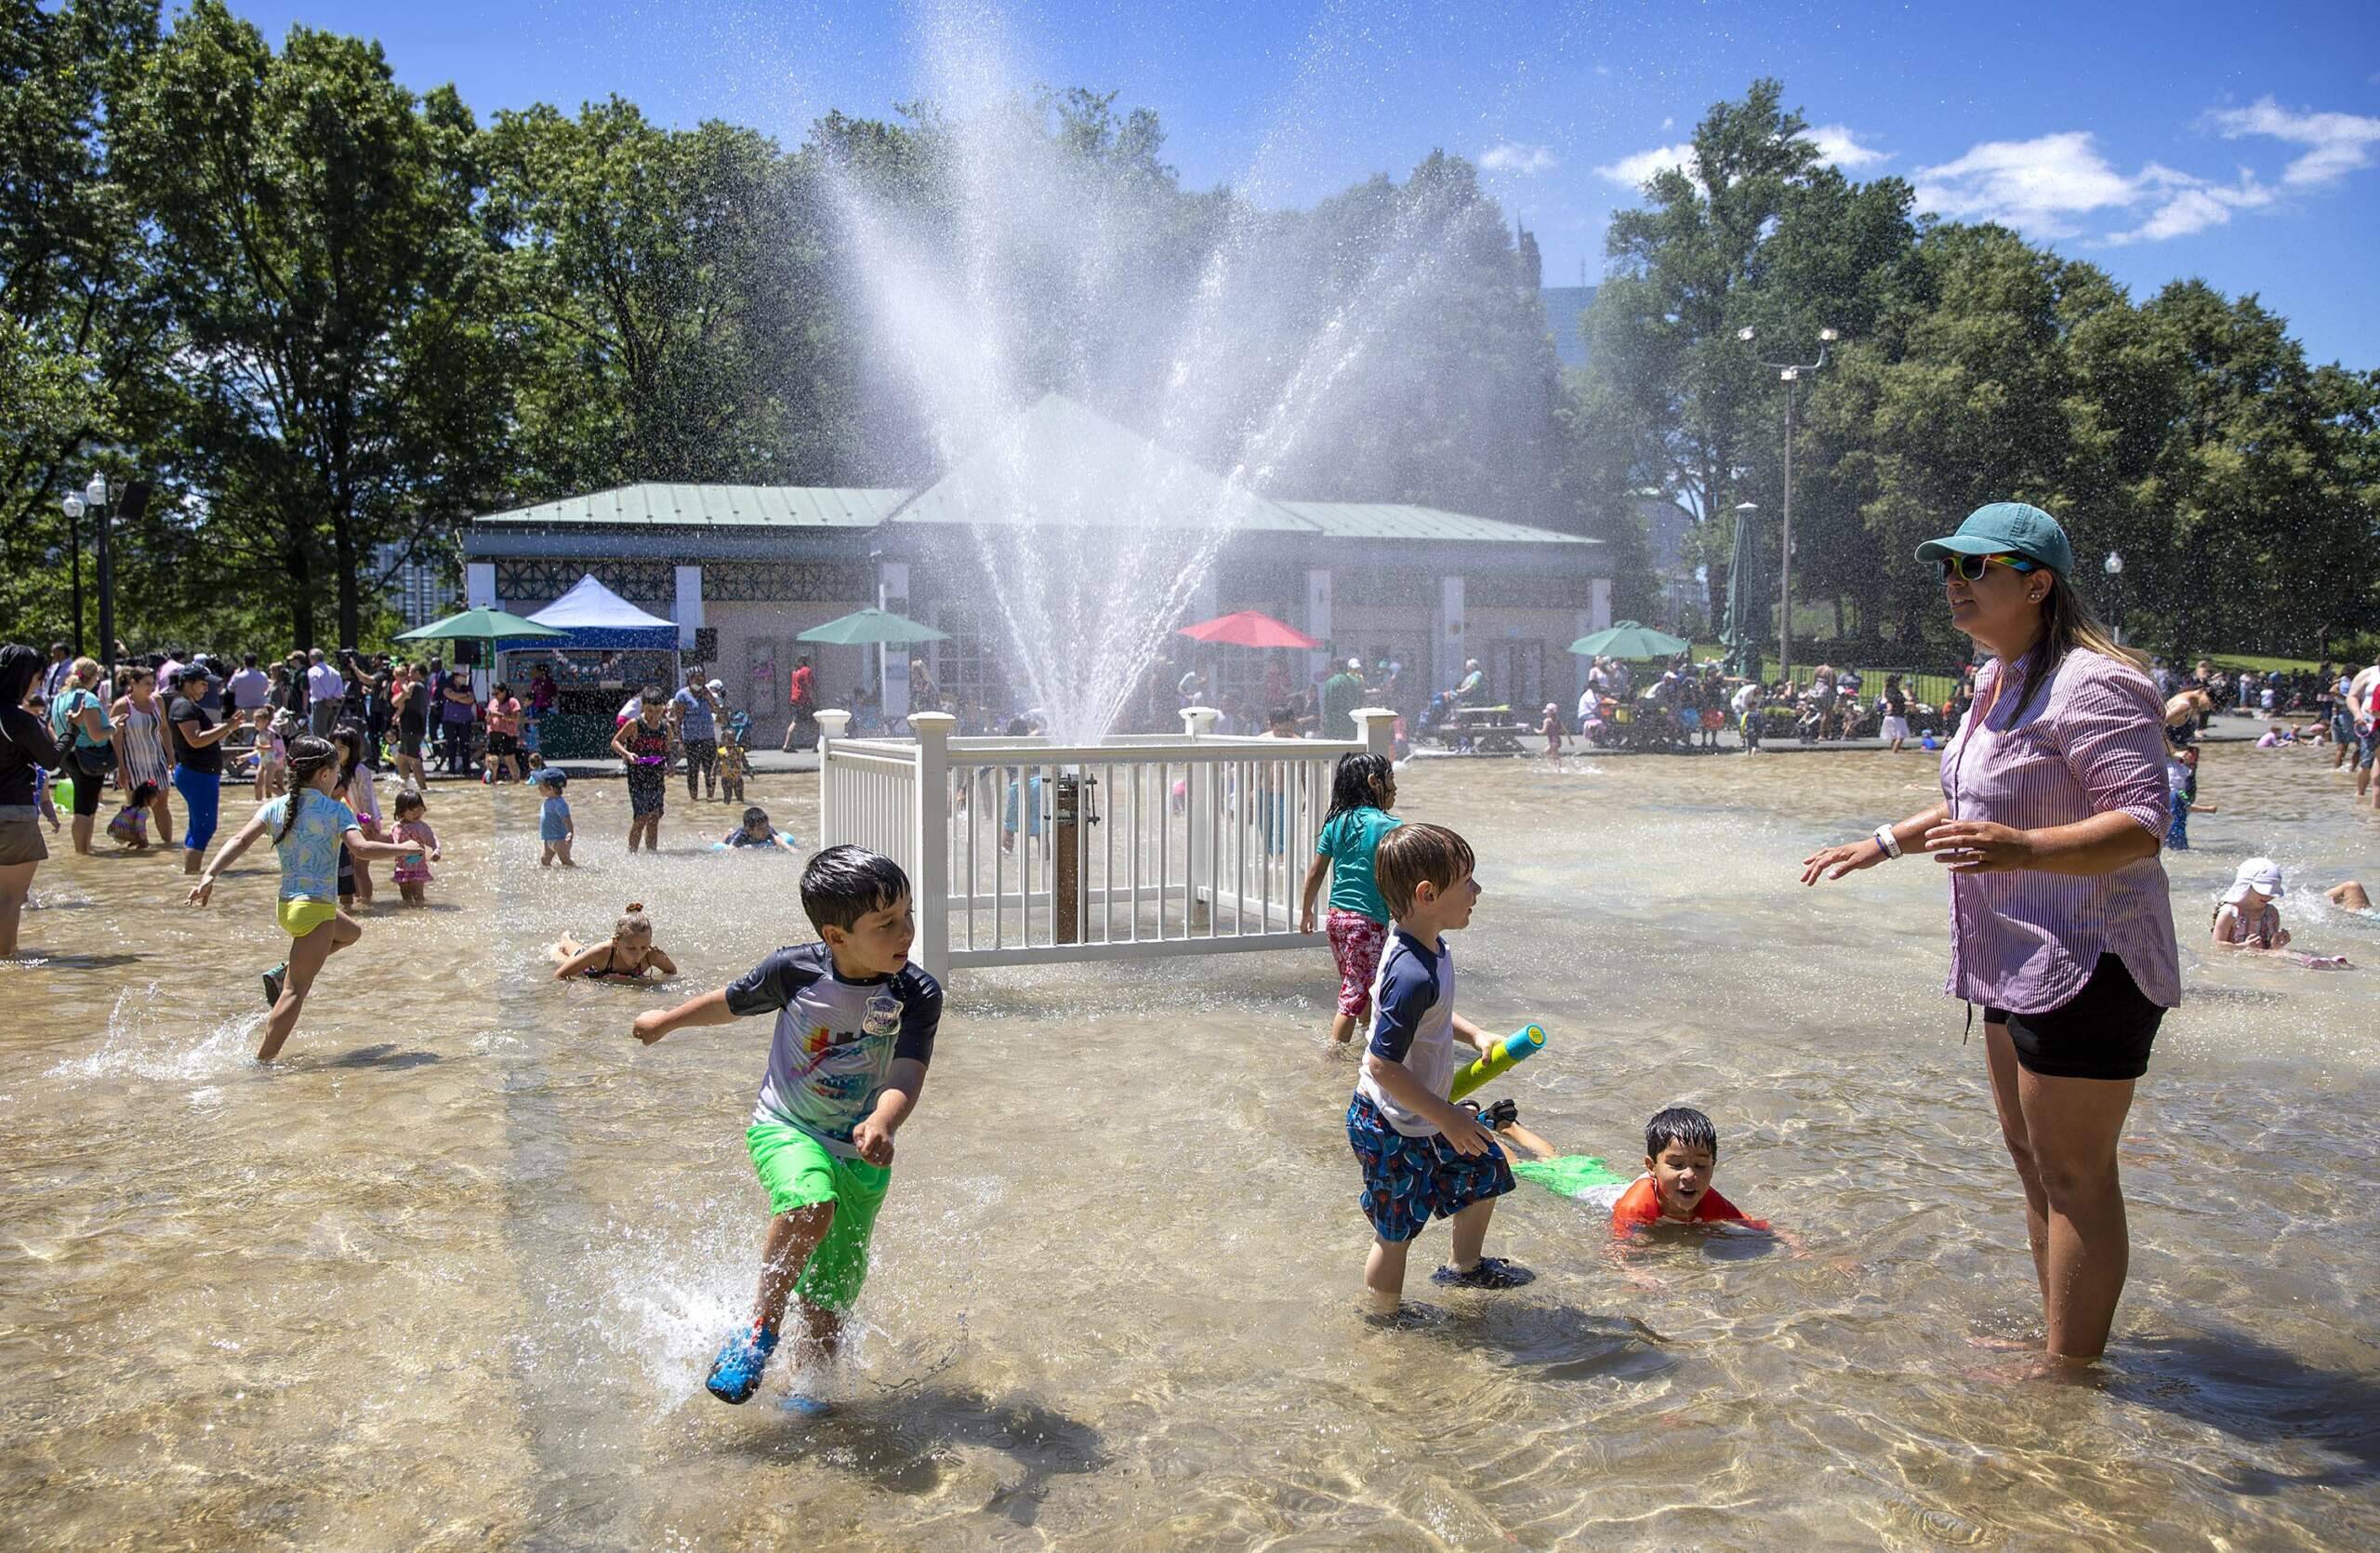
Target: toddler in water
[
  {"x": 1363, "y": 787},
  {"x": 555, "y": 831},
  {"x": 1681, "y": 1155},
  {"x": 421, "y": 845},
  {"x": 272, "y": 754},
  {"x": 2249, "y": 921},
  {"x": 627, "y": 955},
  {"x": 855, "y": 1025},
  {"x": 130, "y": 826},
  {"x": 355, "y": 789},
  {"x": 757, "y": 831},
  {"x": 2181, "y": 779},
  {"x": 731, "y": 764},
  {"x": 1421, "y": 1156}
]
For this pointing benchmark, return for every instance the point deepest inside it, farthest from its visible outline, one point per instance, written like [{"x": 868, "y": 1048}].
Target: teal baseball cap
[{"x": 2007, "y": 528}]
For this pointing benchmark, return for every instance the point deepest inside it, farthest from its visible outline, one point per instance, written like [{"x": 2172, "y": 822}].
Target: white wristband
[{"x": 1886, "y": 839}]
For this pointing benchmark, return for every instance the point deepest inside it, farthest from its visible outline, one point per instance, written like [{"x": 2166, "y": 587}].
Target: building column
[
  {"x": 1317, "y": 616},
  {"x": 1448, "y": 650},
  {"x": 479, "y": 585},
  {"x": 892, "y": 594},
  {"x": 1599, "y": 603},
  {"x": 1579, "y": 662},
  {"x": 688, "y": 610}
]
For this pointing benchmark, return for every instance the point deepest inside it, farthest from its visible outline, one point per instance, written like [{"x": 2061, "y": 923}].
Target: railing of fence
[{"x": 1021, "y": 852}]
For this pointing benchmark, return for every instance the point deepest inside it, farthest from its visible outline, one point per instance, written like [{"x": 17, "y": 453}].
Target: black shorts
[
  {"x": 409, "y": 736},
  {"x": 87, "y": 786},
  {"x": 504, "y": 744},
  {"x": 2104, "y": 1031}
]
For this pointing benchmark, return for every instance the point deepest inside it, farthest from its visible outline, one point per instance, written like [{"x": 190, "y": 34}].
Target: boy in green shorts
[{"x": 854, "y": 1032}]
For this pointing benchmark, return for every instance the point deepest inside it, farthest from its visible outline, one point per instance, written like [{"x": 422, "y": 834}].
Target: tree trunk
[
  {"x": 301, "y": 587},
  {"x": 343, "y": 551}
]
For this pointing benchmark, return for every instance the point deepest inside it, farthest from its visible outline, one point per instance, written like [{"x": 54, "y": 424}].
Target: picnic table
[{"x": 1489, "y": 730}]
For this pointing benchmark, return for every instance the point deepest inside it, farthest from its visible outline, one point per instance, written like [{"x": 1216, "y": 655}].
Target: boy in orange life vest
[{"x": 1681, "y": 1152}]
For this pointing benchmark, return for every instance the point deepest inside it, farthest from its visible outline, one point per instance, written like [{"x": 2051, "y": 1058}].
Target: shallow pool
[{"x": 451, "y": 1273}]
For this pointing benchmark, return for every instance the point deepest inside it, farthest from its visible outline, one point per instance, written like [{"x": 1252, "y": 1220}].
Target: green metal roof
[
  {"x": 1383, "y": 520},
  {"x": 718, "y": 506},
  {"x": 1059, "y": 462},
  {"x": 1063, "y": 464}
]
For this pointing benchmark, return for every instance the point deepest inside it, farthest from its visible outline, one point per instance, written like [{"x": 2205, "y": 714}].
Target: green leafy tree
[
  {"x": 663, "y": 295},
  {"x": 82, "y": 336},
  {"x": 1685, "y": 273},
  {"x": 323, "y": 275}
]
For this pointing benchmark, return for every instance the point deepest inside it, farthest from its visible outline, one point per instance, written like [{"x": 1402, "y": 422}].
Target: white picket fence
[{"x": 1021, "y": 852}]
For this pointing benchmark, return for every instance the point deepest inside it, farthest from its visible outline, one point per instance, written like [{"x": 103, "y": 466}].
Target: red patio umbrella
[{"x": 1249, "y": 628}]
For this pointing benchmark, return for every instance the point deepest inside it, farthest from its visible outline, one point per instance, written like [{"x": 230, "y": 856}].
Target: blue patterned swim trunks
[{"x": 1408, "y": 1182}]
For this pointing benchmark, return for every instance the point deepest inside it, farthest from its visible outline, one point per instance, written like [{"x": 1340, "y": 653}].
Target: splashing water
[{"x": 1031, "y": 274}]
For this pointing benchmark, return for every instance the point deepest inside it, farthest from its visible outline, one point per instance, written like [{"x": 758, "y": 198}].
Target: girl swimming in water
[{"x": 627, "y": 955}]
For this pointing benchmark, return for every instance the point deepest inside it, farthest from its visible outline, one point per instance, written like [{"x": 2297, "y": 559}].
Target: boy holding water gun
[{"x": 1423, "y": 1157}]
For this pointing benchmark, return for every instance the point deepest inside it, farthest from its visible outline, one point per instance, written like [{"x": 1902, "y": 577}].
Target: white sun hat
[{"x": 2259, "y": 874}]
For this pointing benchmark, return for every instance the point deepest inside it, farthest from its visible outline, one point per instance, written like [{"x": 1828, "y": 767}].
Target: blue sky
[{"x": 2240, "y": 143}]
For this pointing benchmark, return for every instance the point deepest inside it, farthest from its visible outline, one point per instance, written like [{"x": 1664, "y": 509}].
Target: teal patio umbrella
[
  {"x": 1628, "y": 639},
  {"x": 869, "y": 627},
  {"x": 480, "y": 625}
]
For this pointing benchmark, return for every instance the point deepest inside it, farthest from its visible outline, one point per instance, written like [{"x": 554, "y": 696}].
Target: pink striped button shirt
[{"x": 2091, "y": 742}]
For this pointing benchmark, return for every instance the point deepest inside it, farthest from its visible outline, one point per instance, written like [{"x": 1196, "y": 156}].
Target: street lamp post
[
  {"x": 2113, "y": 566},
  {"x": 1789, "y": 374},
  {"x": 73, "y": 507},
  {"x": 96, "y": 495},
  {"x": 93, "y": 498}
]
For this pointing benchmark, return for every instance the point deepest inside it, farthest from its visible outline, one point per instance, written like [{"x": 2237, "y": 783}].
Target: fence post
[
  {"x": 1201, "y": 796},
  {"x": 1376, "y": 726},
  {"x": 929, "y": 884},
  {"x": 831, "y": 729}
]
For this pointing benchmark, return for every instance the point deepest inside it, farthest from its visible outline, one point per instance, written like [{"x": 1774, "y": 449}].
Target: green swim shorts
[{"x": 799, "y": 1173}]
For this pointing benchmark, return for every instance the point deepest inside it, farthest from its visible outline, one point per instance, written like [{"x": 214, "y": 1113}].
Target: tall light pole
[
  {"x": 74, "y": 506},
  {"x": 93, "y": 499},
  {"x": 2113, "y": 564},
  {"x": 95, "y": 495},
  {"x": 1789, "y": 374}
]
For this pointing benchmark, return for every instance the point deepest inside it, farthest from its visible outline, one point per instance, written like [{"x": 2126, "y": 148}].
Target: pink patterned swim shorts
[{"x": 1355, "y": 945}]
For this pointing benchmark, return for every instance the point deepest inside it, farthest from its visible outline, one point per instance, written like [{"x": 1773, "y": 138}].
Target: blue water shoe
[{"x": 735, "y": 1373}]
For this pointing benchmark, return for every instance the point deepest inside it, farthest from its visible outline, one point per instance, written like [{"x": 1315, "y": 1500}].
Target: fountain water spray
[{"x": 1028, "y": 262}]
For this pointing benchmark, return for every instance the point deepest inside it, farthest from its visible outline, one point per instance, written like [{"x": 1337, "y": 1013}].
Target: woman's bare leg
[
  {"x": 16, "y": 888},
  {"x": 2000, "y": 1056},
  {"x": 2075, "y": 1125}
]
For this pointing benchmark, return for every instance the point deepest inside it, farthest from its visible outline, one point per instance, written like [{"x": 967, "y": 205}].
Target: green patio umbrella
[
  {"x": 480, "y": 625},
  {"x": 867, "y": 626},
  {"x": 1630, "y": 641}
]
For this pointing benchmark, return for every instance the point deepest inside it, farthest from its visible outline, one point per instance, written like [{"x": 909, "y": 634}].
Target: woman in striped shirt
[{"x": 2061, "y": 922}]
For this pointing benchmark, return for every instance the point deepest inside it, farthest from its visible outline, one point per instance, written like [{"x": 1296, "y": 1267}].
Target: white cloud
[
  {"x": 2038, "y": 186},
  {"x": 1838, "y": 145},
  {"x": 2337, "y": 143},
  {"x": 1632, "y": 171},
  {"x": 2048, "y": 187},
  {"x": 1510, "y": 156},
  {"x": 2190, "y": 204}
]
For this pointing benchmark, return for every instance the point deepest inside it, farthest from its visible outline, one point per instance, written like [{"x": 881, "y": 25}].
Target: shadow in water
[
  {"x": 386, "y": 1056},
  {"x": 898, "y": 1442},
  {"x": 2257, "y": 1393},
  {"x": 1550, "y": 1342},
  {"x": 83, "y": 961}
]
